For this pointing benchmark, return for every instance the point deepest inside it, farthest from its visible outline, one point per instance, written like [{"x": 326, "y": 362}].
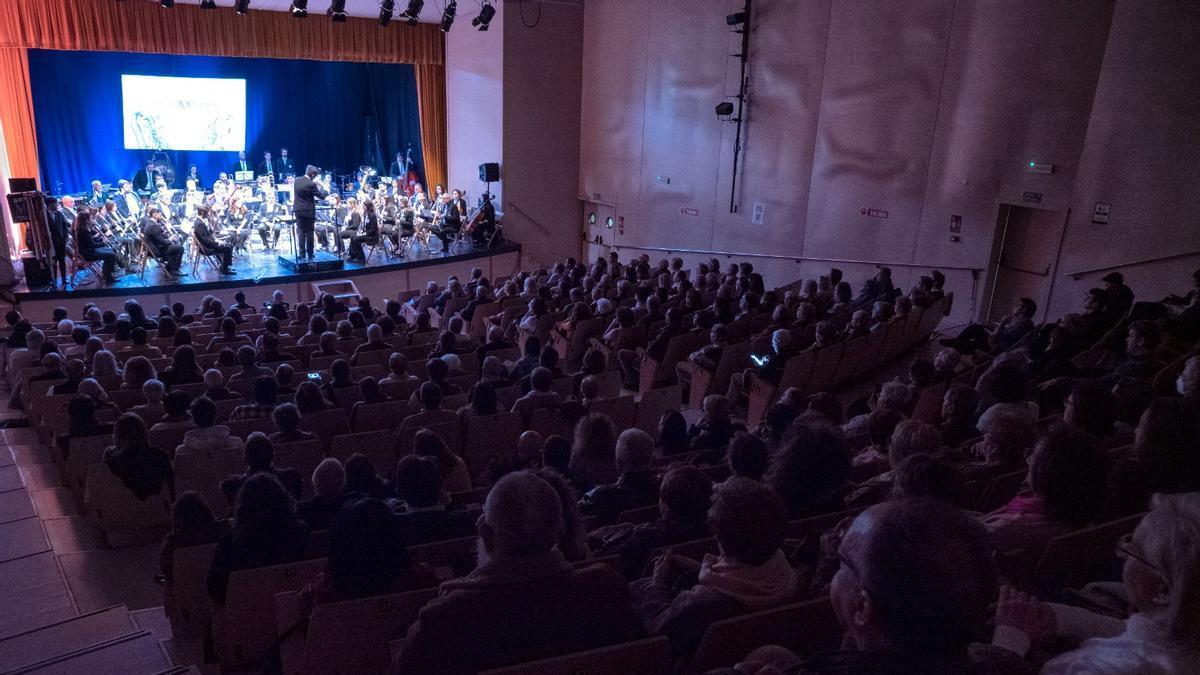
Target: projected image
[{"x": 183, "y": 113}]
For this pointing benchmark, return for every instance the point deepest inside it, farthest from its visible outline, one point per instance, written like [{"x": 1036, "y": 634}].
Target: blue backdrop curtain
[{"x": 336, "y": 115}]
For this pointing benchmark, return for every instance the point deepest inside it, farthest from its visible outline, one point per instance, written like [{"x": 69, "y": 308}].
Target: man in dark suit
[
  {"x": 399, "y": 168},
  {"x": 91, "y": 249},
  {"x": 160, "y": 244},
  {"x": 268, "y": 166},
  {"x": 145, "y": 179},
  {"x": 194, "y": 174},
  {"x": 128, "y": 204},
  {"x": 96, "y": 196},
  {"x": 306, "y": 192},
  {"x": 425, "y": 519},
  {"x": 208, "y": 244},
  {"x": 59, "y": 227},
  {"x": 284, "y": 165},
  {"x": 449, "y": 222},
  {"x": 487, "y": 221},
  {"x": 242, "y": 164}
]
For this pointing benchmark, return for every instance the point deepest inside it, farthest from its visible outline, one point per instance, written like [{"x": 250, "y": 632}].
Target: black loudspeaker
[
  {"x": 489, "y": 172},
  {"x": 37, "y": 275}
]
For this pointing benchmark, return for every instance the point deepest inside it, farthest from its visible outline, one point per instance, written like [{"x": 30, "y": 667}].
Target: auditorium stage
[{"x": 260, "y": 272}]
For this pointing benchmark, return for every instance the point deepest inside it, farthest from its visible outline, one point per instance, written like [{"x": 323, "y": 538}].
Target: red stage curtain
[
  {"x": 16, "y": 113},
  {"x": 140, "y": 26},
  {"x": 431, "y": 103}
]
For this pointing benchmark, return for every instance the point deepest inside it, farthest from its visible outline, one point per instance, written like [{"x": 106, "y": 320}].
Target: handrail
[
  {"x": 1145, "y": 261},
  {"x": 798, "y": 258}
]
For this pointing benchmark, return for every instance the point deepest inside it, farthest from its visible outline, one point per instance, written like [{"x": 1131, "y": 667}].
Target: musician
[
  {"x": 266, "y": 168},
  {"x": 159, "y": 242},
  {"x": 307, "y": 193},
  {"x": 399, "y": 168},
  {"x": 58, "y": 224},
  {"x": 285, "y": 166},
  {"x": 243, "y": 164},
  {"x": 447, "y": 222},
  {"x": 162, "y": 199},
  {"x": 194, "y": 174},
  {"x": 208, "y": 243},
  {"x": 68, "y": 208},
  {"x": 111, "y": 225},
  {"x": 369, "y": 234},
  {"x": 350, "y": 222},
  {"x": 128, "y": 203},
  {"x": 146, "y": 178},
  {"x": 96, "y": 197},
  {"x": 456, "y": 198},
  {"x": 485, "y": 221},
  {"x": 267, "y": 222},
  {"x": 90, "y": 248},
  {"x": 223, "y": 185}
]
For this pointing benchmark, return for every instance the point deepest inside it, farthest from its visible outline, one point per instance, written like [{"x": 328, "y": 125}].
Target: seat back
[
  {"x": 243, "y": 428},
  {"x": 824, "y": 365},
  {"x": 376, "y": 445},
  {"x": 85, "y": 452},
  {"x": 245, "y": 626},
  {"x": 548, "y": 421},
  {"x": 1072, "y": 560},
  {"x": 1000, "y": 490},
  {"x": 377, "y": 416},
  {"x": 928, "y": 407},
  {"x": 326, "y": 424},
  {"x": 651, "y": 406},
  {"x": 113, "y": 507},
  {"x": 488, "y": 437},
  {"x": 854, "y": 353},
  {"x": 303, "y": 456},
  {"x": 803, "y": 627},
  {"x": 452, "y": 557},
  {"x": 619, "y": 410},
  {"x": 346, "y": 637},
  {"x": 203, "y": 472},
  {"x": 734, "y": 358},
  {"x": 643, "y": 657},
  {"x": 187, "y": 603}
]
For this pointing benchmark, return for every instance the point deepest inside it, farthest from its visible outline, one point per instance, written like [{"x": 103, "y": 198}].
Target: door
[
  {"x": 599, "y": 233},
  {"x": 1024, "y": 257}
]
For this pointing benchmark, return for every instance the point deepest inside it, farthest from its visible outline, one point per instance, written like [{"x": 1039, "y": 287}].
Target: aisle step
[
  {"x": 63, "y": 637},
  {"x": 134, "y": 654}
]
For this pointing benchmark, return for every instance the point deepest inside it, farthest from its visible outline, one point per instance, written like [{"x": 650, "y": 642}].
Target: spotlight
[
  {"x": 241, "y": 6},
  {"x": 413, "y": 13},
  {"x": 448, "y": 16},
  {"x": 724, "y": 109},
  {"x": 337, "y": 11},
  {"x": 386, "y": 7},
  {"x": 299, "y": 8},
  {"x": 166, "y": 4},
  {"x": 208, "y": 4},
  {"x": 735, "y": 19},
  {"x": 485, "y": 17}
]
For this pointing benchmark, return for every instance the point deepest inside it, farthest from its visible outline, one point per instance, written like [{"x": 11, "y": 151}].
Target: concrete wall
[{"x": 925, "y": 109}]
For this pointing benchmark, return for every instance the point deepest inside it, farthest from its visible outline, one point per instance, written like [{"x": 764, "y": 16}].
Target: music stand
[{"x": 243, "y": 176}]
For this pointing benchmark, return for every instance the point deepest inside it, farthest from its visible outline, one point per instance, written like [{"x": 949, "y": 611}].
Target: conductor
[{"x": 304, "y": 207}]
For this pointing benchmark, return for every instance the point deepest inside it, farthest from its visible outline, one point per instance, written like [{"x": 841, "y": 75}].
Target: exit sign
[
  {"x": 689, "y": 212},
  {"x": 872, "y": 213}
]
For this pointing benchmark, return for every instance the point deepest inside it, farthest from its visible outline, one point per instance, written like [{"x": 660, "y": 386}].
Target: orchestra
[{"x": 147, "y": 216}]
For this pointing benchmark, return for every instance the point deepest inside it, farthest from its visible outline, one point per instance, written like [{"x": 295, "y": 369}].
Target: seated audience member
[
  {"x": 142, "y": 468},
  {"x": 264, "y": 532},
  {"x": 1132, "y": 397},
  {"x": 138, "y": 370},
  {"x": 422, "y": 515},
  {"x": 768, "y": 367},
  {"x": 183, "y": 368},
  {"x": 927, "y": 476},
  {"x": 265, "y": 395},
  {"x": 1066, "y": 491},
  {"x": 1092, "y": 409},
  {"x": 192, "y": 524},
  {"x": 714, "y": 429},
  {"x": 229, "y": 336},
  {"x": 247, "y": 358},
  {"x": 431, "y": 414},
  {"x": 176, "y": 416},
  {"x": 683, "y": 597},
  {"x": 339, "y": 380},
  {"x": 683, "y": 501},
  {"x": 481, "y": 402},
  {"x": 361, "y": 477},
  {"x": 309, "y": 398},
  {"x": 748, "y": 457},
  {"x": 286, "y": 417},
  {"x": 495, "y": 342},
  {"x": 1163, "y": 458},
  {"x": 945, "y": 364},
  {"x": 1002, "y": 449},
  {"x": 1162, "y": 634},
  {"x": 541, "y": 394},
  {"x": 284, "y": 375},
  {"x": 74, "y": 370},
  {"x": 637, "y": 485},
  {"x": 398, "y": 375},
  {"x": 524, "y": 600},
  {"x": 892, "y": 396},
  {"x": 822, "y": 402},
  {"x": 329, "y": 493},
  {"x": 673, "y": 436},
  {"x": 532, "y": 356},
  {"x": 52, "y": 368},
  {"x": 1007, "y": 393},
  {"x": 152, "y": 410},
  {"x": 214, "y": 386},
  {"x": 208, "y": 435},
  {"x": 912, "y": 592},
  {"x": 572, "y": 543},
  {"x": 368, "y": 556},
  {"x": 911, "y": 437},
  {"x": 259, "y": 455},
  {"x": 958, "y": 415},
  {"x": 810, "y": 471},
  {"x": 1013, "y": 327},
  {"x": 455, "y": 477},
  {"x": 1187, "y": 384},
  {"x": 593, "y": 453},
  {"x": 374, "y": 343},
  {"x": 873, "y": 459}
]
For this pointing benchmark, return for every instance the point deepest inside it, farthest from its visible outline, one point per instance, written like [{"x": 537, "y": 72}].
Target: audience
[
  {"x": 637, "y": 485},
  {"x": 455, "y": 478},
  {"x": 208, "y": 435},
  {"x": 422, "y": 512},
  {"x": 593, "y": 455},
  {"x": 144, "y": 469},
  {"x": 329, "y": 493}
]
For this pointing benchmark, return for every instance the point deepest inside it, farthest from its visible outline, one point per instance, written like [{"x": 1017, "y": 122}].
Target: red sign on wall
[{"x": 872, "y": 213}]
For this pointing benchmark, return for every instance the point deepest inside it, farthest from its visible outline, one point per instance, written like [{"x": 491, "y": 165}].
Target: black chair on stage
[
  {"x": 145, "y": 255},
  {"x": 80, "y": 265},
  {"x": 198, "y": 254}
]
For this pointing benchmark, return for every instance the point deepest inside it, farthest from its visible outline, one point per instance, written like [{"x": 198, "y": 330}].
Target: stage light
[
  {"x": 337, "y": 11},
  {"x": 724, "y": 109},
  {"x": 735, "y": 19},
  {"x": 448, "y": 16},
  {"x": 486, "y": 13},
  {"x": 299, "y": 8},
  {"x": 241, "y": 6},
  {"x": 386, "y": 7},
  {"x": 413, "y": 13},
  {"x": 166, "y": 4},
  {"x": 208, "y": 4}
]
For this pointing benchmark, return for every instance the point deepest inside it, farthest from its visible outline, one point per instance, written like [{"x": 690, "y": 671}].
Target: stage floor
[{"x": 255, "y": 268}]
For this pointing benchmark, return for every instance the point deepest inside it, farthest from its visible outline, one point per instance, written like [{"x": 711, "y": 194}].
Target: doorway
[
  {"x": 599, "y": 233},
  {"x": 1024, "y": 257}
]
